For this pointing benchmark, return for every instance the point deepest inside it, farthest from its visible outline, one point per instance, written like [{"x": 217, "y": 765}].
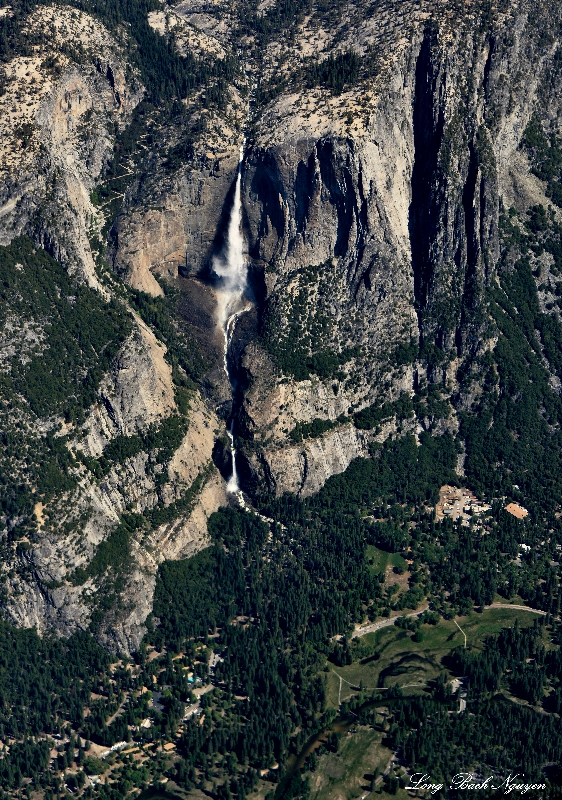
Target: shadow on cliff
[{"x": 428, "y": 124}]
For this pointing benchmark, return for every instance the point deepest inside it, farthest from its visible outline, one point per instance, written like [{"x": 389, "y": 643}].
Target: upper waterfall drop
[
  {"x": 231, "y": 268},
  {"x": 231, "y": 265}
]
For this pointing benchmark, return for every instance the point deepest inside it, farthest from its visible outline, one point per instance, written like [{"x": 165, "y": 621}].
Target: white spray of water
[
  {"x": 231, "y": 265},
  {"x": 231, "y": 268}
]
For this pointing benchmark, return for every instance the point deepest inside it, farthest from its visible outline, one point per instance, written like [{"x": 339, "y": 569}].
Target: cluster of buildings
[
  {"x": 458, "y": 503},
  {"x": 463, "y": 504}
]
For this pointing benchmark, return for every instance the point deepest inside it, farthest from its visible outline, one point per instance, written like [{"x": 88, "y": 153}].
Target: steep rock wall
[
  {"x": 176, "y": 233},
  {"x": 40, "y": 589},
  {"x": 399, "y": 217},
  {"x": 55, "y": 116}
]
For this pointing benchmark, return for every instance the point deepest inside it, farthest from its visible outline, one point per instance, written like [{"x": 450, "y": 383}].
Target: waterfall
[
  {"x": 231, "y": 269},
  {"x": 232, "y": 485}
]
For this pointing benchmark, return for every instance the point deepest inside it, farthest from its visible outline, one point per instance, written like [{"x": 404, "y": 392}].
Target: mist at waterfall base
[{"x": 232, "y": 272}]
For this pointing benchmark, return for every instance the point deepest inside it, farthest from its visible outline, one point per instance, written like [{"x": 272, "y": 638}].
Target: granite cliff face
[
  {"x": 59, "y": 104},
  {"x": 395, "y": 190},
  {"x": 383, "y": 143},
  {"x": 65, "y": 102},
  {"x": 135, "y": 397}
]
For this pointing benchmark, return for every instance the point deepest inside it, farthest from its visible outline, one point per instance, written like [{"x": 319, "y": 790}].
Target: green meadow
[{"x": 399, "y": 660}]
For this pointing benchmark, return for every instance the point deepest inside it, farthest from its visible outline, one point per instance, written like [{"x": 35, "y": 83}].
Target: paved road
[
  {"x": 383, "y": 623},
  {"x": 517, "y": 608}
]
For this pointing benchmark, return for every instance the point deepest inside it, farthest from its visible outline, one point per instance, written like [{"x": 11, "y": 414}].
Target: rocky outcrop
[
  {"x": 40, "y": 589},
  {"x": 304, "y": 468},
  {"x": 181, "y": 539},
  {"x": 174, "y": 235},
  {"x": 55, "y": 115},
  {"x": 38, "y": 596},
  {"x": 137, "y": 393}
]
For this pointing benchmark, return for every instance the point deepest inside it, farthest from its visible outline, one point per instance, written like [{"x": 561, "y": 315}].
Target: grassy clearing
[
  {"x": 398, "y": 660},
  {"x": 379, "y": 560},
  {"x": 347, "y": 774},
  {"x": 516, "y": 600},
  {"x": 333, "y": 687},
  {"x": 412, "y": 664}
]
